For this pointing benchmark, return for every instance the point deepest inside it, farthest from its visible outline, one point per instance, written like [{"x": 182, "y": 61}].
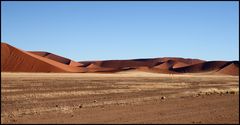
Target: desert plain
[
  {"x": 122, "y": 97},
  {"x": 42, "y": 87}
]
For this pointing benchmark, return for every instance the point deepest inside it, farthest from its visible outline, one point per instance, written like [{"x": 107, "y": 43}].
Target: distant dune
[{"x": 17, "y": 60}]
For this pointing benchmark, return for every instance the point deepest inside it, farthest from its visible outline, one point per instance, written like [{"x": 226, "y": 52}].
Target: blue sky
[{"x": 124, "y": 30}]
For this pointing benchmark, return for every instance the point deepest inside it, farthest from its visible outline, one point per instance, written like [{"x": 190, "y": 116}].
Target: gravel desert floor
[{"x": 125, "y": 97}]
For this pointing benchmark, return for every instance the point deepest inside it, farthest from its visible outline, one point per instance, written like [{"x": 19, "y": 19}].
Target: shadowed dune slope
[
  {"x": 179, "y": 64},
  {"x": 56, "y": 58},
  {"x": 93, "y": 67},
  {"x": 165, "y": 65},
  {"x": 203, "y": 67},
  {"x": 160, "y": 65},
  {"x": 16, "y": 60},
  {"x": 184, "y": 60}
]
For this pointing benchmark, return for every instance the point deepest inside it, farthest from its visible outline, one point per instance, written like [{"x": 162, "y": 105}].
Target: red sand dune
[
  {"x": 230, "y": 69},
  {"x": 135, "y": 63},
  {"x": 202, "y": 67},
  {"x": 56, "y": 58},
  {"x": 165, "y": 65},
  {"x": 180, "y": 64},
  {"x": 16, "y": 60},
  {"x": 93, "y": 67},
  {"x": 118, "y": 64},
  {"x": 184, "y": 60}
]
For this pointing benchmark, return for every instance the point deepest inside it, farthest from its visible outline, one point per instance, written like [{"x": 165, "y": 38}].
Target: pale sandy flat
[{"x": 124, "y": 97}]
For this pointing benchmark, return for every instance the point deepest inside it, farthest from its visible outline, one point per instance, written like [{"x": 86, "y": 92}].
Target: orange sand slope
[{"x": 17, "y": 60}]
